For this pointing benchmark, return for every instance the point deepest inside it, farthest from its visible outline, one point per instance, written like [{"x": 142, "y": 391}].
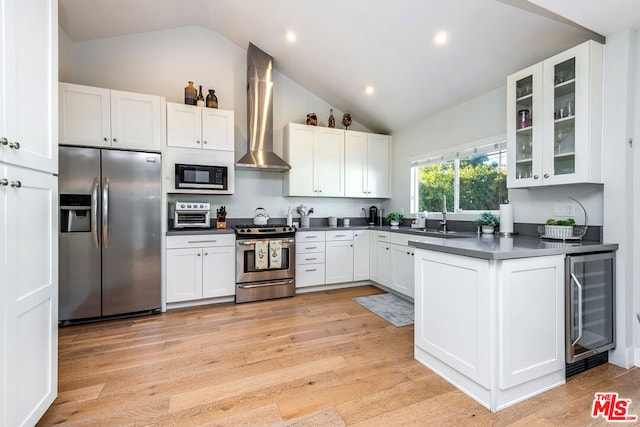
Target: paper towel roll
[{"x": 506, "y": 218}]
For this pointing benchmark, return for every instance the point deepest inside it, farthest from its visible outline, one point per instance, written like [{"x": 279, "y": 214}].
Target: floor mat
[{"x": 395, "y": 310}]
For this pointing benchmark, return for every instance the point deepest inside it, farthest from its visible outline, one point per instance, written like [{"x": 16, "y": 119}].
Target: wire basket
[{"x": 565, "y": 232}]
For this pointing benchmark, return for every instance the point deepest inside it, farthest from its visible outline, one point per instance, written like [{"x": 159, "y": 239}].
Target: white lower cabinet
[
  {"x": 384, "y": 263},
  {"x": 373, "y": 255},
  {"x": 310, "y": 258},
  {"x": 402, "y": 269},
  {"x": 394, "y": 262},
  {"x": 339, "y": 256},
  {"x": 361, "y": 255},
  {"x": 200, "y": 266},
  {"x": 474, "y": 314}
]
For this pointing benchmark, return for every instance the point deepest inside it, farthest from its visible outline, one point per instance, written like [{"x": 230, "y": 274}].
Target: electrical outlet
[{"x": 564, "y": 210}]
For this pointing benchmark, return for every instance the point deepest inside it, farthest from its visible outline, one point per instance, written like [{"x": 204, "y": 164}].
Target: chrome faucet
[{"x": 443, "y": 223}]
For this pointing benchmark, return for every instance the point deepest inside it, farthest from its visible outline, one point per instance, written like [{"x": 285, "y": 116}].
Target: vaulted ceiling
[{"x": 344, "y": 46}]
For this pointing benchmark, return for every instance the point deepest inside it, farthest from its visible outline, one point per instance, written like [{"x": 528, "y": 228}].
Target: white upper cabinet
[
  {"x": 97, "y": 117},
  {"x": 316, "y": 156},
  {"x": 189, "y": 126},
  {"x": 28, "y": 84},
  {"x": 554, "y": 120},
  {"x": 367, "y": 165}
]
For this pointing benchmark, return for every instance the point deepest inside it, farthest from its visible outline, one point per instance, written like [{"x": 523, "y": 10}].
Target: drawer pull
[
  {"x": 310, "y": 237},
  {"x": 309, "y": 270},
  {"x": 202, "y": 241},
  {"x": 310, "y": 259},
  {"x": 312, "y": 247}
]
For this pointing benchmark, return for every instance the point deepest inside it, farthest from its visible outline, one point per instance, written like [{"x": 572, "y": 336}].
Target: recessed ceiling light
[
  {"x": 369, "y": 90},
  {"x": 440, "y": 38},
  {"x": 291, "y": 36}
]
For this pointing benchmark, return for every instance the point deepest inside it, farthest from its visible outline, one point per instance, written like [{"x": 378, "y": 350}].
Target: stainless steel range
[{"x": 265, "y": 262}]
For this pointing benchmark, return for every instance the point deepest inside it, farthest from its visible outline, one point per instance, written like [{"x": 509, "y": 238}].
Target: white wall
[
  {"x": 479, "y": 118},
  {"x": 636, "y": 206},
  {"x": 65, "y": 56},
  {"x": 620, "y": 77},
  {"x": 162, "y": 62}
]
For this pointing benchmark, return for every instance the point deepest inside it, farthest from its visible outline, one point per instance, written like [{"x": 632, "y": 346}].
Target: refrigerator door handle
[
  {"x": 573, "y": 276},
  {"x": 94, "y": 210},
  {"x": 105, "y": 212}
]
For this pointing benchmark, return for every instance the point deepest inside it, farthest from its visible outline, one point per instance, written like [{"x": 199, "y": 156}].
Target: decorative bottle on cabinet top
[
  {"x": 332, "y": 120},
  {"x": 200, "y": 99},
  {"x": 212, "y": 99},
  {"x": 190, "y": 94}
]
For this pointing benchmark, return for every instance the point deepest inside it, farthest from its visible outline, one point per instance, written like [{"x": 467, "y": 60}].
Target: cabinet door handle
[
  {"x": 16, "y": 184},
  {"x": 340, "y": 235},
  {"x": 4, "y": 182},
  {"x": 202, "y": 241},
  {"x": 204, "y": 142},
  {"x": 546, "y": 175},
  {"x": 312, "y": 247},
  {"x": 115, "y": 139},
  {"x": 14, "y": 145},
  {"x": 198, "y": 254},
  {"x": 198, "y": 142},
  {"x": 310, "y": 259},
  {"x": 535, "y": 177},
  {"x": 4, "y": 141},
  {"x": 309, "y": 270},
  {"x": 310, "y": 237},
  {"x": 206, "y": 253},
  {"x": 105, "y": 139}
]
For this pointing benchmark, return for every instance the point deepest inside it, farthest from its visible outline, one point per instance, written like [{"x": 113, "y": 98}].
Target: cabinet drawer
[
  {"x": 201, "y": 240},
  {"x": 310, "y": 258},
  {"x": 402, "y": 239},
  {"x": 309, "y": 247},
  {"x": 339, "y": 235},
  {"x": 384, "y": 236},
  {"x": 310, "y": 236},
  {"x": 310, "y": 275}
]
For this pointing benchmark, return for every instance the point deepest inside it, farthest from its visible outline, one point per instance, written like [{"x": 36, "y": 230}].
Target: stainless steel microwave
[{"x": 201, "y": 177}]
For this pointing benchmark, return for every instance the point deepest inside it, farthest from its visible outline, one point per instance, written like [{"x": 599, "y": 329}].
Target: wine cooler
[{"x": 590, "y": 310}]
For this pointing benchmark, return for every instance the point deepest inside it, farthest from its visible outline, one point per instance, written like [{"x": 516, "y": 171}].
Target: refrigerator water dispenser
[{"x": 75, "y": 213}]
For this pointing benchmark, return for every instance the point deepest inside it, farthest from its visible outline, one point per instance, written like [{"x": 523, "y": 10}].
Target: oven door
[{"x": 246, "y": 270}]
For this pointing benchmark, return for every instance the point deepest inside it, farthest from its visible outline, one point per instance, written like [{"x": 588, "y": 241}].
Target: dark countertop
[
  {"x": 471, "y": 244},
  {"x": 497, "y": 248}
]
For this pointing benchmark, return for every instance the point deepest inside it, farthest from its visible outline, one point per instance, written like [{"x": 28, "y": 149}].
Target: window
[{"x": 471, "y": 178}]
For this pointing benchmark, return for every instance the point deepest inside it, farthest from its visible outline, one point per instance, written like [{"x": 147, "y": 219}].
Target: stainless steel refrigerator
[{"x": 110, "y": 213}]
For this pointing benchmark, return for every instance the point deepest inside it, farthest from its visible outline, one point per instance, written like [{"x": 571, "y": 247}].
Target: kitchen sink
[{"x": 447, "y": 234}]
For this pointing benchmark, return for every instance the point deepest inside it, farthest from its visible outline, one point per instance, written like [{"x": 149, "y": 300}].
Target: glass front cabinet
[{"x": 554, "y": 120}]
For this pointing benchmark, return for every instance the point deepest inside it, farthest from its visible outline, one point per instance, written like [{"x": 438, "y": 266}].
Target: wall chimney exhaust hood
[{"x": 260, "y": 155}]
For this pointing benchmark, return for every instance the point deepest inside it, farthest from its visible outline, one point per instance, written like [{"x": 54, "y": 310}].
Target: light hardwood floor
[{"x": 318, "y": 359}]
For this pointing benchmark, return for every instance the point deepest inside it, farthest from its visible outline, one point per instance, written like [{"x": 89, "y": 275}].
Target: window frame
[{"x": 455, "y": 154}]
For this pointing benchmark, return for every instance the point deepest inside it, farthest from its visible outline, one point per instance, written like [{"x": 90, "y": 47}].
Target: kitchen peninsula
[{"x": 490, "y": 313}]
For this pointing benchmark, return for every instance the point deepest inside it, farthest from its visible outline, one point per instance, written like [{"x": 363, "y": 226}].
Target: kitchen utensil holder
[{"x": 305, "y": 221}]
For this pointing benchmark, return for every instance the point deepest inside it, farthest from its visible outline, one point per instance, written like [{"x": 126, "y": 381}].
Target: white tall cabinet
[
  {"x": 367, "y": 165},
  {"x": 29, "y": 209}
]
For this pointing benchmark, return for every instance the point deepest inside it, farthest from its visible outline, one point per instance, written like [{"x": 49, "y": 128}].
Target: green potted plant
[
  {"x": 559, "y": 228},
  {"x": 488, "y": 222},
  {"x": 394, "y": 218}
]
